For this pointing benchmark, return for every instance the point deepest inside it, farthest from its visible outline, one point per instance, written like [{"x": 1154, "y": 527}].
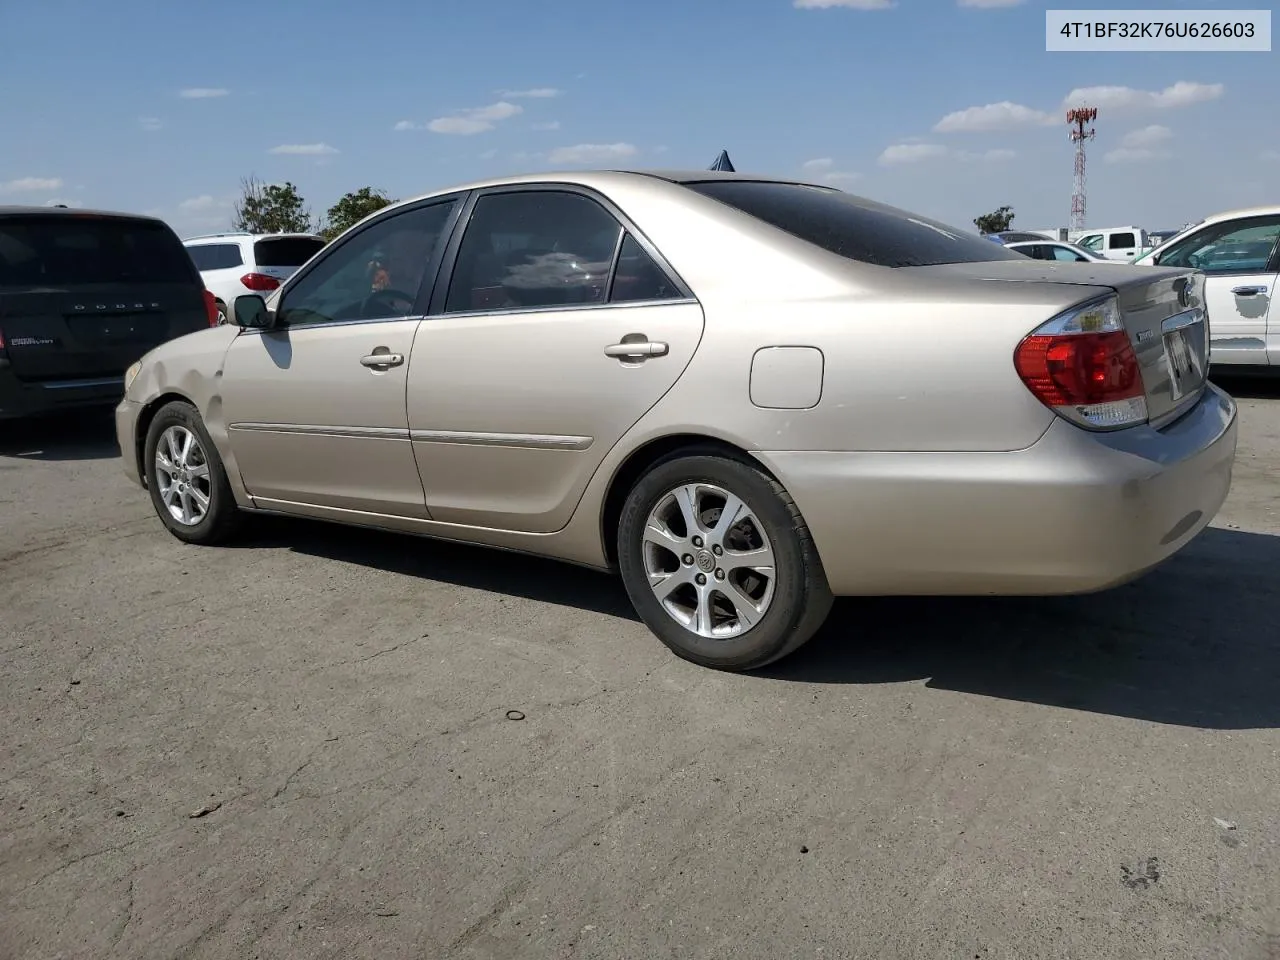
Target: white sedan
[
  {"x": 1058, "y": 250},
  {"x": 1239, "y": 254}
]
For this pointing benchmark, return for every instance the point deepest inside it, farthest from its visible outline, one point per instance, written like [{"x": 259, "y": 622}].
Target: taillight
[
  {"x": 1082, "y": 366},
  {"x": 211, "y": 308},
  {"x": 259, "y": 281}
]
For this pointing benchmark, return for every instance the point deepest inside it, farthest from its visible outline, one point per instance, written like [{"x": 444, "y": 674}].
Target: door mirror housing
[{"x": 251, "y": 312}]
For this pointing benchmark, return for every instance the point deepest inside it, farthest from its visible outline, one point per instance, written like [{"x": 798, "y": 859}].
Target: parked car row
[{"x": 745, "y": 395}]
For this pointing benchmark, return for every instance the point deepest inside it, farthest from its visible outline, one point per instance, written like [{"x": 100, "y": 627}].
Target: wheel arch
[
  {"x": 148, "y": 413},
  {"x": 644, "y": 458}
]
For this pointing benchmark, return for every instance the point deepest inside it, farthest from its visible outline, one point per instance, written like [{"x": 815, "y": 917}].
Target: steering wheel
[{"x": 386, "y": 299}]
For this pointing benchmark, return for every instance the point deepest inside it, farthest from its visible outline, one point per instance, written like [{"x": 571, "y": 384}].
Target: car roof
[
  {"x": 242, "y": 235},
  {"x": 601, "y": 179},
  {"x": 71, "y": 212},
  {"x": 1233, "y": 214}
]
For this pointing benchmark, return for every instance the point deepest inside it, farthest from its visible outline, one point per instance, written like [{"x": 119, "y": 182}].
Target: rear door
[
  {"x": 280, "y": 257},
  {"x": 82, "y": 296},
  {"x": 559, "y": 328},
  {"x": 1241, "y": 262}
]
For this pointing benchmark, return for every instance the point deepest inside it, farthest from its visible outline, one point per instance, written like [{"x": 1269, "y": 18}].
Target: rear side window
[
  {"x": 286, "y": 251},
  {"x": 852, "y": 227},
  {"x": 1121, "y": 241},
  {"x": 80, "y": 249},
  {"x": 216, "y": 256}
]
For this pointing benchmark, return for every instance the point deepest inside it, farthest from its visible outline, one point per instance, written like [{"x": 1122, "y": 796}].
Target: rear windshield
[
  {"x": 69, "y": 250},
  {"x": 852, "y": 227},
  {"x": 215, "y": 256},
  {"x": 285, "y": 251}
]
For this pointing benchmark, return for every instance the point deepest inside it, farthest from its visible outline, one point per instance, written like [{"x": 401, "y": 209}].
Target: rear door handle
[
  {"x": 637, "y": 350},
  {"x": 1248, "y": 291},
  {"x": 382, "y": 360}
]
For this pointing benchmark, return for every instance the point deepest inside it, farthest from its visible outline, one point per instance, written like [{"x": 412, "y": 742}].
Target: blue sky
[{"x": 163, "y": 107}]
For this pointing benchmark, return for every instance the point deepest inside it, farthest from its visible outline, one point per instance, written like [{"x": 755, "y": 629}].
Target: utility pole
[{"x": 1079, "y": 118}]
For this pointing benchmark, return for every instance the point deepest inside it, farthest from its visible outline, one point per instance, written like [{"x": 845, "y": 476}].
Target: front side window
[
  {"x": 376, "y": 273},
  {"x": 216, "y": 256},
  {"x": 541, "y": 248},
  {"x": 852, "y": 227},
  {"x": 1093, "y": 242},
  {"x": 1238, "y": 246}
]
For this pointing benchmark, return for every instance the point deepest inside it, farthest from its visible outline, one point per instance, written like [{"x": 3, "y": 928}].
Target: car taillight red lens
[
  {"x": 1082, "y": 366},
  {"x": 211, "y": 308},
  {"x": 259, "y": 281}
]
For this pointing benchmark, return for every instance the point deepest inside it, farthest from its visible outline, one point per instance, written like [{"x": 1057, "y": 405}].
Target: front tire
[
  {"x": 186, "y": 479},
  {"x": 719, "y": 563}
]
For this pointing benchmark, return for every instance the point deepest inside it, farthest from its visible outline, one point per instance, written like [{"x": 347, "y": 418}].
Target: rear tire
[
  {"x": 186, "y": 479},
  {"x": 732, "y": 595}
]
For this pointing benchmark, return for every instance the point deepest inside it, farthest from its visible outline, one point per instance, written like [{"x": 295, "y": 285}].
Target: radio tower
[{"x": 1078, "y": 118}]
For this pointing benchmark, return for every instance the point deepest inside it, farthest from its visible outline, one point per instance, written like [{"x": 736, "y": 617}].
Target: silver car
[{"x": 746, "y": 395}]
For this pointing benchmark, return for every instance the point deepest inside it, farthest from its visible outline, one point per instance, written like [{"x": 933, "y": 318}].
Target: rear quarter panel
[{"x": 910, "y": 362}]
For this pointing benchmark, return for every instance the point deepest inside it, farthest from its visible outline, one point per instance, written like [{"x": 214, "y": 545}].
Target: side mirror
[{"x": 252, "y": 313}]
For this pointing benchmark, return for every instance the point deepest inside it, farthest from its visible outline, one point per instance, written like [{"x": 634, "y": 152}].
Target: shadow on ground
[
  {"x": 1194, "y": 643},
  {"x": 83, "y": 435},
  {"x": 1259, "y": 386},
  {"x": 478, "y": 568}
]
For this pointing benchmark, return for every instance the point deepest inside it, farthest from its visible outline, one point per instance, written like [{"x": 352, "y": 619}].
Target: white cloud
[
  {"x": 822, "y": 163},
  {"x": 201, "y": 204},
  {"x": 1181, "y": 94},
  {"x": 901, "y": 153},
  {"x": 989, "y": 4},
  {"x": 588, "y": 153},
  {"x": 537, "y": 93},
  {"x": 836, "y": 177},
  {"x": 31, "y": 184},
  {"x": 1141, "y": 145},
  {"x": 1004, "y": 115},
  {"x": 488, "y": 154},
  {"x": 202, "y": 93},
  {"x": 304, "y": 150},
  {"x": 851, "y": 4},
  {"x": 475, "y": 119},
  {"x": 150, "y": 123},
  {"x": 405, "y": 125},
  {"x": 549, "y": 125}
]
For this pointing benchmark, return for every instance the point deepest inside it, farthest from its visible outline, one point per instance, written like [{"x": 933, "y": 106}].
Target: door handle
[
  {"x": 382, "y": 360},
  {"x": 636, "y": 350},
  {"x": 1248, "y": 291}
]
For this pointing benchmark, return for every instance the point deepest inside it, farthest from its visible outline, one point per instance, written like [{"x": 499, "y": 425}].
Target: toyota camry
[{"x": 745, "y": 395}]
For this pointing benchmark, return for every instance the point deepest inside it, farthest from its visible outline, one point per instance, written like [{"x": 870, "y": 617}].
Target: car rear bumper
[
  {"x": 1073, "y": 513},
  {"x": 127, "y": 414},
  {"x": 23, "y": 398}
]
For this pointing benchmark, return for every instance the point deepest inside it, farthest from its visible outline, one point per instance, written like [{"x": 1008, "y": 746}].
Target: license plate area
[
  {"x": 118, "y": 328},
  {"x": 1185, "y": 351}
]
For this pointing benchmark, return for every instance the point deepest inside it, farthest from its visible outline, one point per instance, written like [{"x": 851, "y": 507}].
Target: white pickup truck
[{"x": 1114, "y": 243}]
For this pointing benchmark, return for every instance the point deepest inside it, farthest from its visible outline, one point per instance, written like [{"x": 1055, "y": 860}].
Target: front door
[
  {"x": 559, "y": 330},
  {"x": 315, "y": 406},
  {"x": 1239, "y": 259}
]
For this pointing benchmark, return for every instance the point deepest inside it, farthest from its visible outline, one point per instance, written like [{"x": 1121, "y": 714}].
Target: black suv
[{"x": 83, "y": 294}]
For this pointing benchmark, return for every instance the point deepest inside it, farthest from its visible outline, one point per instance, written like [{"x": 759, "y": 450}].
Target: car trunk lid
[{"x": 1163, "y": 310}]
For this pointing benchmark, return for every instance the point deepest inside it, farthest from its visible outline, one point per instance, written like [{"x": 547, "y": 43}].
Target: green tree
[
  {"x": 994, "y": 222},
  {"x": 271, "y": 208},
  {"x": 352, "y": 208}
]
